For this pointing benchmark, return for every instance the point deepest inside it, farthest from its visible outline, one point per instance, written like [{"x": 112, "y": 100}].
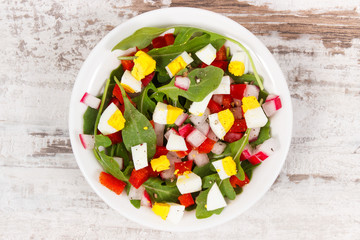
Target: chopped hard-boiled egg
[
  {"x": 239, "y": 64},
  {"x": 225, "y": 167},
  {"x": 160, "y": 164},
  {"x": 179, "y": 63},
  {"x": 176, "y": 143},
  {"x": 221, "y": 122},
  {"x": 139, "y": 156},
  {"x": 143, "y": 65},
  {"x": 171, "y": 212},
  {"x": 224, "y": 87},
  {"x": 129, "y": 83},
  {"x": 199, "y": 108},
  {"x": 249, "y": 103},
  {"x": 166, "y": 114},
  {"x": 253, "y": 113},
  {"x": 215, "y": 199},
  {"x": 207, "y": 54},
  {"x": 111, "y": 120},
  {"x": 189, "y": 183}
]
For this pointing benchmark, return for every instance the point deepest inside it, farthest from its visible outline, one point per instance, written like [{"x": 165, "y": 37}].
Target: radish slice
[
  {"x": 218, "y": 148},
  {"x": 254, "y": 134},
  {"x": 136, "y": 194},
  {"x": 200, "y": 159},
  {"x": 212, "y": 136},
  {"x": 185, "y": 130},
  {"x": 145, "y": 200},
  {"x": 195, "y": 138},
  {"x": 271, "y": 105},
  {"x": 237, "y": 112},
  {"x": 181, "y": 119},
  {"x": 170, "y": 131},
  {"x": 159, "y": 131},
  {"x": 197, "y": 120},
  {"x": 90, "y": 100},
  {"x": 218, "y": 98},
  {"x": 88, "y": 141},
  {"x": 263, "y": 151},
  {"x": 182, "y": 82},
  {"x": 204, "y": 128},
  {"x": 251, "y": 90},
  {"x": 246, "y": 153}
]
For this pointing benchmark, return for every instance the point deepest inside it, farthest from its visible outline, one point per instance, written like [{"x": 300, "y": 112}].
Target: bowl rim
[{"x": 265, "y": 55}]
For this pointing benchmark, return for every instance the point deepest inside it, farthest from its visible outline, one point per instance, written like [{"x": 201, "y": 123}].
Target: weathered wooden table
[{"x": 44, "y": 195}]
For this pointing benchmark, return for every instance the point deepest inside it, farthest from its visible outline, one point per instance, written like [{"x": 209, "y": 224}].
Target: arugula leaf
[
  {"x": 249, "y": 77},
  {"x": 137, "y": 128},
  {"x": 121, "y": 151},
  {"x": 227, "y": 190},
  {"x": 263, "y": 95},
  {"x": 160, "y": 192},
  {"x": 263, "y": 135},
  {"x": 201, "y": 211},
  {"x": 110, "y": 165},
  {"x": 118, "y": 72},
  {"x": 135, "y": 203},
  {"x": 89, "y": 120},
  {"x": 203, "y": 171},
  {"x": 140, "y": 39},
  {"x": 183, "y": 34},
  {"x": 248, "y": 168},
  {"x": 210, "y": 78},
  {"x": 144, "y": 103},
  {"x": 209, "y": 180},
  {"x": 101, "y": 140}
]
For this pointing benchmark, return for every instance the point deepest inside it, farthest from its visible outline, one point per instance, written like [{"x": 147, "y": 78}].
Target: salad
[{"x": 181, "y": 123}]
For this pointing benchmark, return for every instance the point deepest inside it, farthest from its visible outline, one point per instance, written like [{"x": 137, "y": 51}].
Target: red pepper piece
[
  {"x": 220, "y": 64},
  {"x": 118, "y": 95},
  {"x": 221, "y": 54},
  {"x": 169, "y": 39},
  {"x": 152, "y": 123},
  {"x": 115, "y": 101},
  {"x": 238, "y": 126},
  {"x": 138, "y": 177},
  {"x": 182, "y": 154},
  {"x": 147, "y": 79},
  {"x": 206, "y": 146},
  {"x": 227, "y": 100},
  {"x": 237, "y": 90},
  {"x": 186, "y": 200},
  {"x": 112, "y": 183},
  {"x": 214, "y": 106},
  {"x": 232, "y": 137},
  {"x": 115, "y": 137},
  {"x": 181, "y": 167},
  {"x": 159, "y": 42},
  {"x": 160, "y": 150},
  {"x": 146, "y": 49},
  {"x": 236, "y": 182},
  {"x": 127, "y": 64}
]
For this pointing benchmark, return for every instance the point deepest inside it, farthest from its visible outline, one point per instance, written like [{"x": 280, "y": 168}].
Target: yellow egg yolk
[
  {"x": 249, "y": 103},
  {"x": 127, "y": 88},
  {"x": 161, "y": 209},
  {"x": 229, "y": 166},
  {"x": 237, "y": 68},
  {"x": 143, "y": 65},
  {"x": 226, "y": 118},
  {"x": 172, "y": 114},
  {"x": 160, "y": 164},
  {"x": 117, "y": 120},
  {"x": 176, "y": 65}
]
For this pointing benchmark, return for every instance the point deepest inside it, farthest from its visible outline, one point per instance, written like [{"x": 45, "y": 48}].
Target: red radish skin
[
  {"x": 87, "y": 141},
  {"x": 271, "y": 105},
  {"x": 90, "y": 100},
  {"x": 170, "y": 131},
  {"x": 185, "y": 130},
  {"x": 246, "y": 153},
  {"x": 145, "y": 200},
  {"x": 195, "y": 138},
  {"x": 257, "y": 158},
  {"x": 181, "y": 119},
  {"x": 182, "y": 83}
]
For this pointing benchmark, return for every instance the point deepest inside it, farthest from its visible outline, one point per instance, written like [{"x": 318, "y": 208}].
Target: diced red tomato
[
  {"x": 221, "y": 54},
  {"x": 152, "y": 173},
  {"x": 147, "y": 79},
  {"x": 181, "y": 167},
  {"x": 144, "y": 49},
  {"x": 236, "y": 182},
  {"x": 115, "y": 101},
  {"x": 220, "y": 64},
  {"x": 214, "y": 106},
  {"x": 152, "y": 123},
  {"x": 115, "y": 137},
  {"x": 138, "y": 177},
  {"x": 118, "y": 95},
  {"x": 159, "y": 42},
  {"x": 160, "y": 150},
  {"x": 169, "y": 39},
  {"x": 186, "y": 200},
  {"x": 112, "y": 183},
  {"x": 127, "y": 64},
  {"x": 237, "y": 90},
  {"x": 206, "y": 146},
  {"x": 227, "y": 100},
  {"x": 238, "y": 126},
  {"x": 232, "y": 137}
]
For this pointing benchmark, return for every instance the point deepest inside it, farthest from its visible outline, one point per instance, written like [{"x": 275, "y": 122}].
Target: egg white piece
[
  {"x": 199, "y": 108},
  {"x": 216, "y": 126},
  {"x": 104, "y": 127},
  {"x": 188, "y": 183},
  {"x": 187, "y": 59},
  {"x": 241, "y": 57},
  {"x": 255, "y": 118},
  {"x": 224, "y": 87},
  {"x": 176, "y": 143},
  {"x": 220, "y": 169},
  {"x": 139, "y": 156},
  {"x": 160, "y": 113},
  {"x": 207, "y": 54},
  {"x": 130, "y": 81},
  {"x": 215, "y": 199},
  {"x": 176, "y": 213}
]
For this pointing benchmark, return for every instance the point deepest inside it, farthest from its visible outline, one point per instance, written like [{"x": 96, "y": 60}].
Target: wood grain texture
[{"x": 43, "y": 193}]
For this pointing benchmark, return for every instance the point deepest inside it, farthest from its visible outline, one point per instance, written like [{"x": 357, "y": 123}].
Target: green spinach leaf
[
  {"x": 183, "y": 34},
  {"x": 201, "y": 211},
  {"x": 210, "y": 78},
  {"x": 121, "y": 151},
  {"x": 136, "y": 203},
  {"x": 248, "y": 168},
  {"x": 227, "y": 190},
  {"x": 89, "y": 120},
  {"x": 159, "y": 191},
  {"x": 141, "y": 38},
  {"x": 203, "y": 171},
  {"x": 118, "y": 72},
  {"x": 263, "y": 135},
  {"x": 110, "y": 165},
  {"x": 209, "y": 180},
  {"x": 101, "y": 140}
]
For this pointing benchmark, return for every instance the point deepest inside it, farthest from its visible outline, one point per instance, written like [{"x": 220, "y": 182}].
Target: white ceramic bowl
[{"x": 96, "y": 70}]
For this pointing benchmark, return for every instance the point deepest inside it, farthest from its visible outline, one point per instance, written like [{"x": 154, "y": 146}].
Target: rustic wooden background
[{"x": 43, "y": 195}]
